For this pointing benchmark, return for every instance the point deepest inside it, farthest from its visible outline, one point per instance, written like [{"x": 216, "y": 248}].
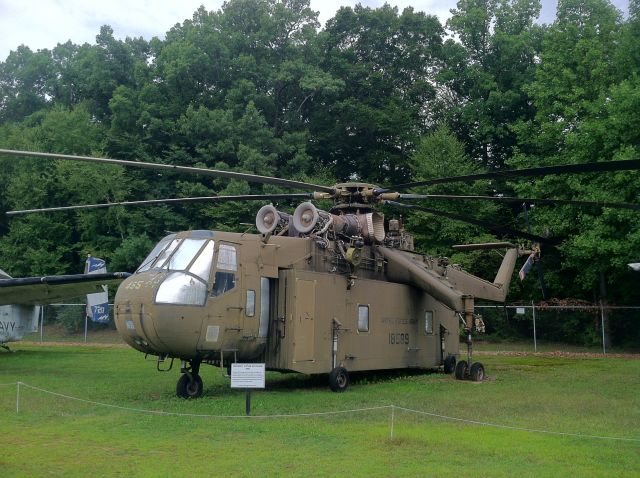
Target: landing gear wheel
[
  {"x": 189, "y": 387},
  {"x": 461, "y": 370},
  {"x": 339, "y": 379},
  {"x": 477, "y": 372},
  {"x": 449, "y": 364}
]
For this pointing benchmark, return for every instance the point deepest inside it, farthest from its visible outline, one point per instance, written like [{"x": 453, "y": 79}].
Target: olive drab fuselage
[{"x": 296, "y": 304}]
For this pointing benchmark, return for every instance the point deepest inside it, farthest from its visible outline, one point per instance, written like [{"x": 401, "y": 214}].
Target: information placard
[{"x": 247, "y": 375}]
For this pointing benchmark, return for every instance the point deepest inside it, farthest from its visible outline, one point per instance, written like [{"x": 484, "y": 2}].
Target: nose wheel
[{"x": 190, "y": 384}]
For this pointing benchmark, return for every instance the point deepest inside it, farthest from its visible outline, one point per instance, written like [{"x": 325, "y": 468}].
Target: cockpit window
[
  {"x": 165, "y": 254},
  {"x": 225, "y": 278},
  {"x": 154, "y": 254},
  {"x": 183, "y": 256},
  {"x": 202, "y": 265},
  {"x": 227, "y": 258},
  {"x": 180, "y": 288}
]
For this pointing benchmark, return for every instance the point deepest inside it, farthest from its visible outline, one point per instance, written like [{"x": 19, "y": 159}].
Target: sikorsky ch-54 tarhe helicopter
[
  {"x": 316, "y": 292},
  {"x": 21, "y": 298}
]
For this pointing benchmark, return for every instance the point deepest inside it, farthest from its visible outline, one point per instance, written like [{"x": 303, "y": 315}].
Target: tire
[
  {"x": 187, "y": 388},
  {"x": 461, "y": 370},
  {"x": 449, "y": 364},
  {"x": 339, "y": 379},
  {"x": 477, "y": 372}
]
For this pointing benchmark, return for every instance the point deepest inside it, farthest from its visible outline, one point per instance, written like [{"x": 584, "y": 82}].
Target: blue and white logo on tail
[{"x": 98, "y": 303}]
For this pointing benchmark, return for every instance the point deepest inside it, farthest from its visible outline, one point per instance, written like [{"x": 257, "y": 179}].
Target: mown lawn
[{"x": 56, "y": 436}]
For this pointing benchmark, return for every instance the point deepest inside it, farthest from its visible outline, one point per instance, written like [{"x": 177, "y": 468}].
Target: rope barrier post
[
  {"x": 535, "y": 339},
  {"x": 41, "y": 323},
  {"x": 247, "y": 405},
  {"x": 393, "y": 409},
  {"x": 604, "y": 347},
  {"x": 17, "y": 397}
]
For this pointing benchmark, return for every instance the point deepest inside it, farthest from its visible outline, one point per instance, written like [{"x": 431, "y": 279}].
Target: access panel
[{"x": 303, "y": 320}]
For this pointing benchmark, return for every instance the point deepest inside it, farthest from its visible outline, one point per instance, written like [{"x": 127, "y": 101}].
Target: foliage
[{"x": 379, "y": 95}]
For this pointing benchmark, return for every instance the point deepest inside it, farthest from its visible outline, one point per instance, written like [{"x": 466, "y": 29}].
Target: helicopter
[
  {"x": 21, "y": 298},
  {"x": 315, "y": 292}
]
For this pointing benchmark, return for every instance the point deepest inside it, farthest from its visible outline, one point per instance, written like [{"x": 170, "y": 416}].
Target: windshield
[
  {"x": 154, "y": 254},
  {"x": 190, "y": 266},
  {"x": 176, "y": 255},
  {"x": 183, "y": 256}
]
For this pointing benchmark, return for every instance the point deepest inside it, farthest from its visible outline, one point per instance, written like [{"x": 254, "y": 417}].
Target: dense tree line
[{"x": 377, "y": 95}]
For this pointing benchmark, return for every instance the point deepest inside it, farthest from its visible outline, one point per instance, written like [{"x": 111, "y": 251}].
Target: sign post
[{"x": 247, "y": 376}]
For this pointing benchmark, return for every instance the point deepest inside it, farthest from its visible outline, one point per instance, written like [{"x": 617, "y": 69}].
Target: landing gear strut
[
  {"x": 467, "y": 369},
  {"x": 190, "y": 384}
]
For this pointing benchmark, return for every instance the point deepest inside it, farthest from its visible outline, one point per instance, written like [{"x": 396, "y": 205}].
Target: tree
[
  {"x": 24, "y": 83},
  {"x": 585, "y": 115},
  {"x": 386, "y": 62},
  {"x": 437, "y": 154},
  {"x": 484, "y": 76}
]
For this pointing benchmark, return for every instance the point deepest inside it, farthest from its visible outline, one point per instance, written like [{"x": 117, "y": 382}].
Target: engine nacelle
[
  {"x": 369, "y": 226},
  {"x": 269, "y": 219},
  {"x": 305, "y": 217}
]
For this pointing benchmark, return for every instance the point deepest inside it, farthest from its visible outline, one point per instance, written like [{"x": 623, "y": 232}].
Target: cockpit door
[{"x": 225, "y": 304}]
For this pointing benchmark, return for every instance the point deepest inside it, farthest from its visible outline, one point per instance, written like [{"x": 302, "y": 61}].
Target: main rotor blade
[
  {"x": 477, "y": 222},
  {"x": 614, "y": 205},
  {"x": 247, "y": 197},
  {"x": 253, "y": 178},
  {"x": 603, "y": 166}
]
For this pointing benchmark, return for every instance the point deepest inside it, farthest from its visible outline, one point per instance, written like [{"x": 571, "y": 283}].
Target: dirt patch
[{"x": 559, "y": 354}]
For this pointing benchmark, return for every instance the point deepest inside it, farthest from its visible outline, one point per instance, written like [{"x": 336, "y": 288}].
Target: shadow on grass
[{"x": 298, "y": 381}]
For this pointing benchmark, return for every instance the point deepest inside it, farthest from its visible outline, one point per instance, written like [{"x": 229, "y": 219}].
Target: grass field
[{"x": 55, "y": 436}]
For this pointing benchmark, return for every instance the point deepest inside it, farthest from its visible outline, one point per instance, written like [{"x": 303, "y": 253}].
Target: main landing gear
[
  {"x": 190, "y": 384},
  {"x": 339, "y": 379},
  {"x": 463, "y": 371}
]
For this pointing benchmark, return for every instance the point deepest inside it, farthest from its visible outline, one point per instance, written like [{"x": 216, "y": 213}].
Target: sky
[{"x": 42, "y": 24}]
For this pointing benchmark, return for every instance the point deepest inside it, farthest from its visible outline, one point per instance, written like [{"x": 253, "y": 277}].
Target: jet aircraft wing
[{"x": 49, "y": 289}]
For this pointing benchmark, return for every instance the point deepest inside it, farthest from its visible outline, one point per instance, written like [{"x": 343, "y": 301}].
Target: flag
[
  {"x": 526, "y": 267},
  {"x": 98, "y": 303}
]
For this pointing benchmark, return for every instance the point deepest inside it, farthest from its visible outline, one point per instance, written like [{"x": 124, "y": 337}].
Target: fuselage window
[
  {"x": 250, "y": 305},
  {"x": 265, "y": 306},
  {"x": 225, "y": 278},
  {"x": 428, "y": 322},
  {"x": 363, "y": 318}
]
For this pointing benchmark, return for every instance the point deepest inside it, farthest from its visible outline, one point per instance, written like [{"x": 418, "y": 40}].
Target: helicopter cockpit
[{"x": 188, "y": 262}]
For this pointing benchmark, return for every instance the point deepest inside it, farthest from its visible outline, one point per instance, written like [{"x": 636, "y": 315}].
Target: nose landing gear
[{"x": 190, "y": 384}]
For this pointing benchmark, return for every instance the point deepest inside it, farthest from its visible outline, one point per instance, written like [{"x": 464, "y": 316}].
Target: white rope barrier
[
  {"x": 319, "y": 414},
  {"x": 509, "y": 427},
  {"x": 10, "y": 384},
  {"x": 201, "y": 415}
]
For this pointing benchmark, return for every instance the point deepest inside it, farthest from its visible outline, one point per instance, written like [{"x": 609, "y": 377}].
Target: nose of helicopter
[
  {"x": 160, "y": 312},
  {"x": 133, "y": 303}
]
